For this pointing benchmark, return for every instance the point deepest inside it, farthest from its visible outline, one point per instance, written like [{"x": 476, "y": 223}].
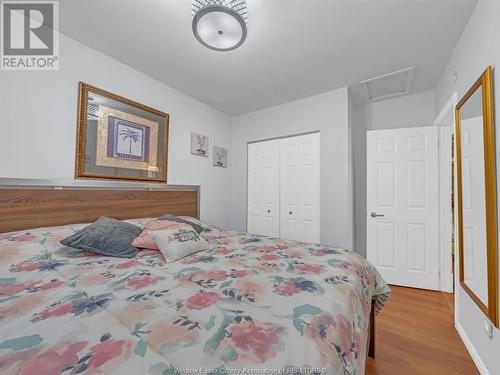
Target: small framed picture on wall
[
  {"x": 199, "y": 144},
  {"x": 220, "y": 156}
]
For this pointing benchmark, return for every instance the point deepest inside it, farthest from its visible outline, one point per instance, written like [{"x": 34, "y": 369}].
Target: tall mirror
[{"x": 477, "y": 223}]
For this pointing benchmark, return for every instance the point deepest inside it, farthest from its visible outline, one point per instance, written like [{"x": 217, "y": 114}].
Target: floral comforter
[{"x": 250, "y": 304}]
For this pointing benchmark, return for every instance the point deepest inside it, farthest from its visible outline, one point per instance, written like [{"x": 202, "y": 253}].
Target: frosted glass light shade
[{"x": 220, "y": 24}]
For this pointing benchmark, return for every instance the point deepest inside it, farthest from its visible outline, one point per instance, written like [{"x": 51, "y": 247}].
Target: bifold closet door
[
  {"x": 299, "y": 188},
  {"x": 263, "y": 188}
]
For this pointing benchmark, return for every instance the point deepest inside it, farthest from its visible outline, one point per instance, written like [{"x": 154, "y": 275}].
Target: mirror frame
[{"x": 485, "y": 82}]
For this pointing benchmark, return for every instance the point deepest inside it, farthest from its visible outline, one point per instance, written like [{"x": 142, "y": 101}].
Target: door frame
[{"x": 445, "y": 121}]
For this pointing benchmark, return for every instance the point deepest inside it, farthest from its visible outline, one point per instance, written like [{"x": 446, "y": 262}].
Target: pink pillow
[{"x": 145, "y": 241}]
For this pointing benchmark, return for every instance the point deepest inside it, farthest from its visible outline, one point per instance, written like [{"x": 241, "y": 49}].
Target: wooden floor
[{"x": 416, "y": 335}]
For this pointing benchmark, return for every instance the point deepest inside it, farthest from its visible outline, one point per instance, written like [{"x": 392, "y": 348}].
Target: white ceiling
[{"x": 294, "y": 48}]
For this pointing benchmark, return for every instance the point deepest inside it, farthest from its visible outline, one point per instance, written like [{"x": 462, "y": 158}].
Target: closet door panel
[
  {"x": 300, "y": 188},
  {"x": 289, "y": 163},
  {"x": 263, "y": 188}
]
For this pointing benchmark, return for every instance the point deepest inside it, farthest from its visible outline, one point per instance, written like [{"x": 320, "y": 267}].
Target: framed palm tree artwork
[{"x": 120, "y": 139}]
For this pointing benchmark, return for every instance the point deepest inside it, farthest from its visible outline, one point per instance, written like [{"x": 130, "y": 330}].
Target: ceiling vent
[{"x": 389, "y": 85}]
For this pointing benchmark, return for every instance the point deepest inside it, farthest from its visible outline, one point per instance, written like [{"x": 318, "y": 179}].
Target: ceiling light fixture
[{"x": 220, "y": 25}]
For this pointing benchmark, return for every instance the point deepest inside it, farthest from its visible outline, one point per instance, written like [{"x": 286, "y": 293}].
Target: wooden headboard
[{"x": 27, "y": 204}]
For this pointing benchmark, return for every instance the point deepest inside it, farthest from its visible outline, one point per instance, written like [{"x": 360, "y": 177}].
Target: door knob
[
  {"x": 290, "y": 212},
  {"x": 268, "y": 211},
  {"x": 374, "y": 214}
]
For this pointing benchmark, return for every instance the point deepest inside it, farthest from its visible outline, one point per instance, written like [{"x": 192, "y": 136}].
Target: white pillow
[{"x": 178, "y": 243}]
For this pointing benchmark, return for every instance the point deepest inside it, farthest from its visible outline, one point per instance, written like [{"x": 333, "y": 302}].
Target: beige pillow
[
  {"x": 145, "y": 241},
  {"x": 178, "y": 243}
]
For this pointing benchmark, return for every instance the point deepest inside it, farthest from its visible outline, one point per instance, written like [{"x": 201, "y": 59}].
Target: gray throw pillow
[
  {"x": 106, "y": 236},
  {"x": 178, "y": 219}
]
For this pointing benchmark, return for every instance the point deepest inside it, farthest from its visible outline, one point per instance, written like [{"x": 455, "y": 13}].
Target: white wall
[
  {"x": 3, "y": 160},
  {"x": 403, "y": 112},
  {"x": 327, "y": 113},
  {"x": 38, "y": 123},
  {"x": 359, "y": 147},
  {"x": 350, "y": 170},
  {"x": 477, "y": 48}
]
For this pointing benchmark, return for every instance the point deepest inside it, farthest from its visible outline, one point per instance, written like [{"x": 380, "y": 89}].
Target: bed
[{"x": 249, "y": 304}]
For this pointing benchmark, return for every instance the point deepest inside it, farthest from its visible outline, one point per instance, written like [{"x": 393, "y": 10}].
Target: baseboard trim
[{"x": 472, "y": 351}]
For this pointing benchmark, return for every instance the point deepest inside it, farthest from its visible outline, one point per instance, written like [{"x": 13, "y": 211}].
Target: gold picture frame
[
  {"x": 120, "y": 139},
  {"x": 485, "y": 84}
]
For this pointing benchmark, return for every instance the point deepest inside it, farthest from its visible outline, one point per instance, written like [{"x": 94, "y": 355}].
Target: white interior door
[
  {"x": 402, "y": 205},
  {"x": 300, "y": 210},
  {"x": 263, "y": 188}
]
